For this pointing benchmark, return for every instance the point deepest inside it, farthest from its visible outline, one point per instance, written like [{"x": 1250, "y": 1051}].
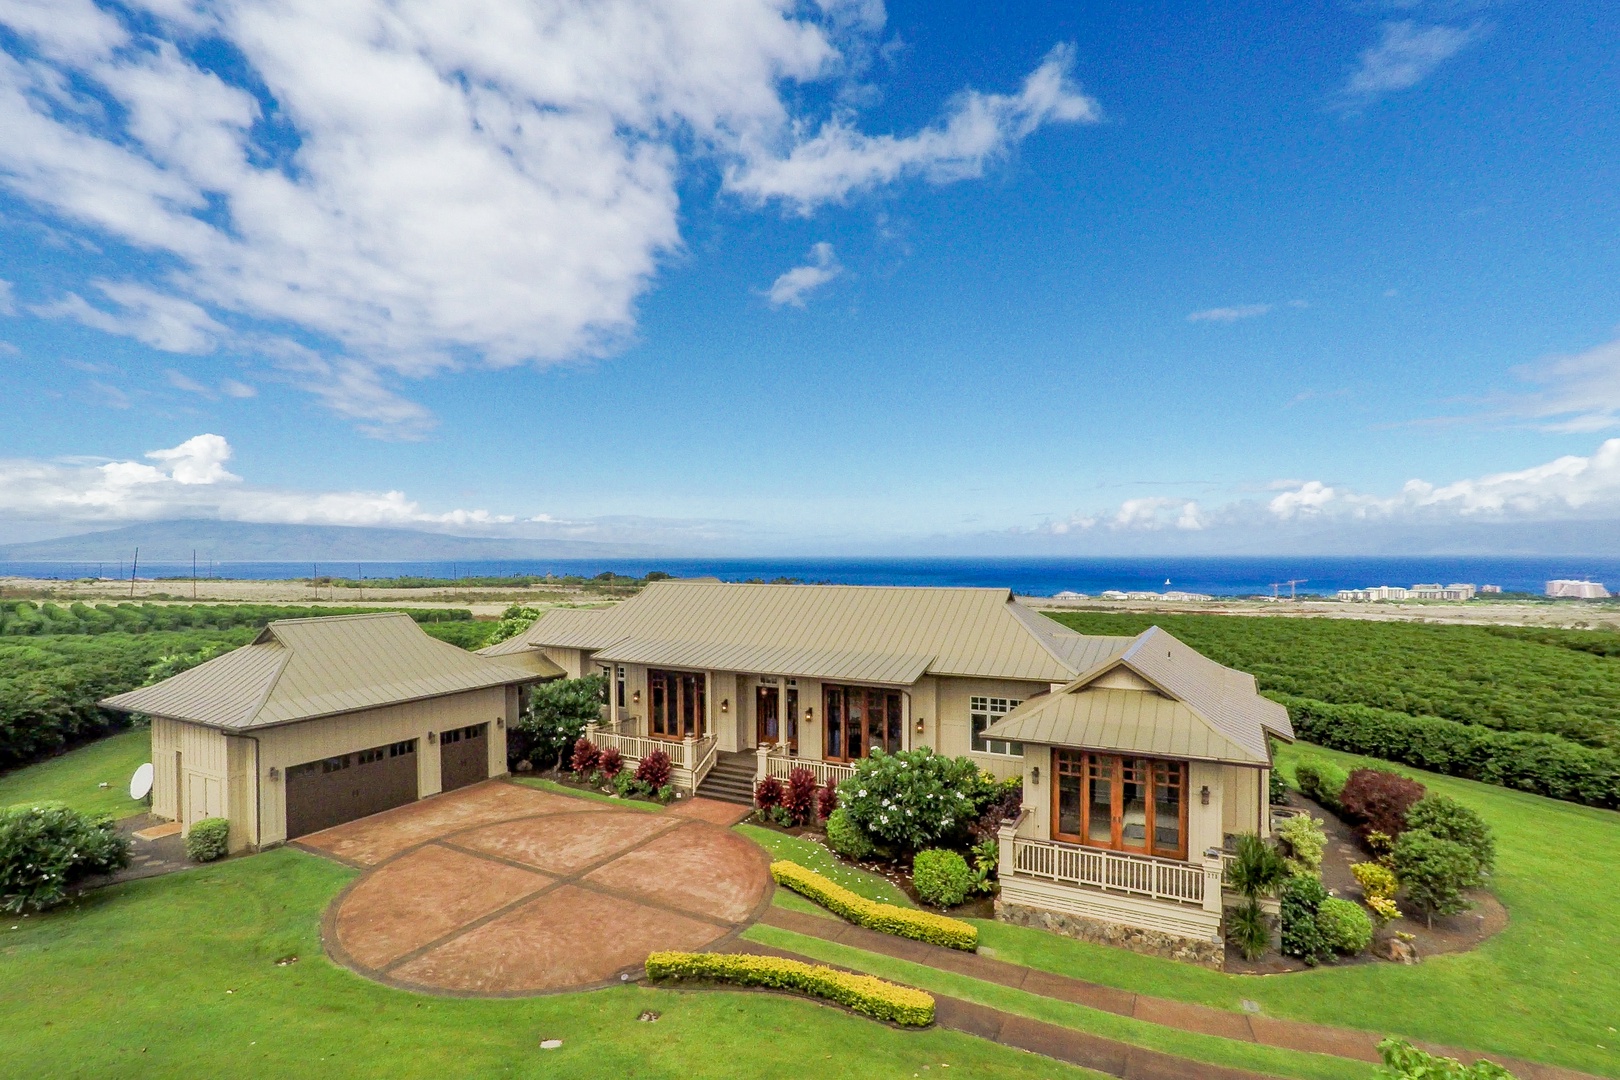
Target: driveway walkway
[{"x": 499, "y": 889}]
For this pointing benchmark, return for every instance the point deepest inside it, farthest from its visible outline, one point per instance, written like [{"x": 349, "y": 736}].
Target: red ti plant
[
  {"x": 827, "y": 801},
  {"x": 768, "y": 794},
  {"x": 654, "y": 770},
  {"x": 611, "y": 763},
  {"x": 586, "y": 757},
  {"x": 800, "y": 797}
]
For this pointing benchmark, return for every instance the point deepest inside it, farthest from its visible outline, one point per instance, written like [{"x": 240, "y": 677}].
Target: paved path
[
  {"x": 502, "y": 890},
  {"x": 1204, "y": 1019}
]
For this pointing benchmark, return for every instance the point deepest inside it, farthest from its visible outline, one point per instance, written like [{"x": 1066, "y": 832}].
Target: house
[
  {"x": 319, "y": 721},
  {"x": 1138, "y": 756},
  {"x": 1137, "y": 773}
]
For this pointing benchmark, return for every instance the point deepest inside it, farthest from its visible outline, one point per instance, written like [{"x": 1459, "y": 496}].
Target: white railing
[
  {"x": 773, "y": 761},
  {"x": 690, "y": 759},
  {"x": 1114, "y": 871}
]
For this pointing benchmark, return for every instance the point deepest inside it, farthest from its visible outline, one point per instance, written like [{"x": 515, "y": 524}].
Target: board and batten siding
[
  {"x": 190, "y": 771},
  {"x": 947, "y": 723},
  {"x": 312, "y": 740}
]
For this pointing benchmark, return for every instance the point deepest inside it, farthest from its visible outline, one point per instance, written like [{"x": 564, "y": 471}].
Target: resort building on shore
[{"x": 1577, "y": 590}]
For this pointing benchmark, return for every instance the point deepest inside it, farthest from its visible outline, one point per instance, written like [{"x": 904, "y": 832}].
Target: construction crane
[{"x": 1292, "y": 591}]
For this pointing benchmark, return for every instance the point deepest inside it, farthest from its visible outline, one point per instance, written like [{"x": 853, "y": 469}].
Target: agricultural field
[{"x": 1563, "y": 682}]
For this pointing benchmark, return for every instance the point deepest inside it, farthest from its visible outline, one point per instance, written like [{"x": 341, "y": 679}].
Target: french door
[
  {"x": 1129, "y": 804},
  {"x": 676, "y": 708},
  {"x": 860, "y": 719}
]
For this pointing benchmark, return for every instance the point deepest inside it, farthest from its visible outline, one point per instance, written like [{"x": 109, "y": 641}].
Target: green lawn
[
  {"x": 1547, "y": 988},
  {"x": 178, "y": 976},
  {"x": 1204, "y": 1048},
  {"x": 596, "y": 796},
  {"x": 813, "y": 856},
  {"x": 76, "y": 777}
]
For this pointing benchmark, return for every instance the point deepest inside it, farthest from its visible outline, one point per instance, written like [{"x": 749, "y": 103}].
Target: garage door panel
[
  {"x": 321, "y": 794},
  {"x": 463, "y": 756}
]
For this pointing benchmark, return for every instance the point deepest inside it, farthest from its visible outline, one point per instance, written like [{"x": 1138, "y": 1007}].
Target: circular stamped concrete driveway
[{"x": 499, "y": 889}]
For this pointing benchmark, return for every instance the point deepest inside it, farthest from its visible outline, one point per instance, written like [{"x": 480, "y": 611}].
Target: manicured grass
[
  {"x": 579, "y": 793},
  {"x": 75, "y": 778},
  {"x": 813, "y": 856},
  {"x": 1544, "y": 989},
  {"x": 1203, "y": 1048},
  {"x": 178, "y": 976}
]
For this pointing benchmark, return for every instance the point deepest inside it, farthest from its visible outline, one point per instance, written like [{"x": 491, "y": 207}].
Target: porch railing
[
  {"x": 690, "y": 759},
  {"x": 1114, "y": 871},
  {"x": 774, "y": 761}
]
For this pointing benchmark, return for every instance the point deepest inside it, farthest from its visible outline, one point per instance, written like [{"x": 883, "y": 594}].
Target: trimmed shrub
[
  {"x": 1435, "y": 871},
  {"x": 885, "y": 918},
  {"x": 1321, "y": 780},
  {"x": 941, "y": 878},
  {"x": 1538, "y": 762},
  {"x": 1306, "y": 841},
  {"x": 768, "y": 794},
  {"x": 585, "y": 757},
  {"x": 1379, "y": 886},
  {"x": 208, "y": 839},
  {"x": 799, "y": 800},
  {"x": 1403, "y": 1061},
  {"x": 1346, "y": 927},
  {"x": 863, "y": 993},
  {"x": 846, "y": 838},
  {"x": 611, "y": 763},
  {"x": 1449, "y": 819},
  {"x": 1377, "y": 801},
  {"x": 1301, "y": 900},
  {"x": 827, "y": 801},
  {"x": 915, "y": 798},
  {"x": 46, "y": 850},
  {"x": 654, "y": 770}
]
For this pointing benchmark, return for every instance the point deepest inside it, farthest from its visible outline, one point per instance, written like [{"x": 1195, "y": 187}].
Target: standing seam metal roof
[{"x": 300, "y": 669}]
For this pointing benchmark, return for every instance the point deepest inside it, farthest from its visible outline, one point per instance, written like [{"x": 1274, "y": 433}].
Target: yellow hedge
[
  {"x": 863, "y": 993},
  {"x": 886, "y": 918}
]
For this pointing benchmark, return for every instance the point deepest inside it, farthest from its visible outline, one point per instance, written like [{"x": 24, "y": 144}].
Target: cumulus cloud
[
  {"x": 1308, "y": 498},
  {"x": 190, "y": 480},
  {"x": 1406, "y": 53},
  {"x": 795, "y": 284},
  {"x": 407, "y": 187},
  {"x": 1229, "y": 314}
]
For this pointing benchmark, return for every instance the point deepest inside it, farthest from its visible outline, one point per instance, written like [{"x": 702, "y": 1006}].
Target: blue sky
[{"x": 754, "y": 277}]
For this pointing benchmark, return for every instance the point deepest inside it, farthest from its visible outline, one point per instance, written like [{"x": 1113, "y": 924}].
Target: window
[
  {"x": 1124, "y": 803},
  {"x": 621, "y": 686},
  {"x": 676, "y": 703},
  {"x": 607, "y": 677},
  {"x": 985, "y": 711},
  {"x": 859, "y": 719},
  {"x": 400, "y": 749}
]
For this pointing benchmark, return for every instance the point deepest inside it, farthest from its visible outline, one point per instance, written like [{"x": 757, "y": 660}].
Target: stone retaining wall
[{"x": 1210, "y": 954}]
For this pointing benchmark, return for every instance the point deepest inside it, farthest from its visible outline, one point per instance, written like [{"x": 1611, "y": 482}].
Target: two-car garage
[{"x": 321, "y": 721}]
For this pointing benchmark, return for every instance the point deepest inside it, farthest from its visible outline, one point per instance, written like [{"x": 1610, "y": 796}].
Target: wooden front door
[
  {"x": 767, "y": 716},
  {"x": 1129, "y": 804}
]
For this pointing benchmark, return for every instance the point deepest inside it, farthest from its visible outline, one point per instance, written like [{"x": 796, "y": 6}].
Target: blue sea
[{"x": 1030, "y": 577}]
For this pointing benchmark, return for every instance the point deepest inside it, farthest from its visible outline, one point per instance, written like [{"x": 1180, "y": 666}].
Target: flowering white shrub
[{"x": 916, "y": 798}]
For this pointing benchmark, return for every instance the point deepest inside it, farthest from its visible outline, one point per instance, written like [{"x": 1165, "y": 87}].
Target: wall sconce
[
  {"x": 810, "y": 715},
  {"x": 635, "y": 697},
  {"x": 725, "y": 704},
  {"x": 500, "y": 723},
  {"x": 1203, "y": 795},
  {"x": 433, "y": 737},
  {"x": 1035, "y": 775},
  {"x": 919, "y": 725},
  {"x": 275, "y": 773}
]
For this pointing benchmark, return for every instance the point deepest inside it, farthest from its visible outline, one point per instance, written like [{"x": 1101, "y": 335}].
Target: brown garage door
[
  {"x": 463, "y": 756},
  {"x": 329, "y": 792}
]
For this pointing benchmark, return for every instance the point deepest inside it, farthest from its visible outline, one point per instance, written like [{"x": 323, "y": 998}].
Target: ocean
[{"x": 1216, "y": 576}]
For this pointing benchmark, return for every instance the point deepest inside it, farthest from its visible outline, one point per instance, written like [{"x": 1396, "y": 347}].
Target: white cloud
[
  {"x": 1582, "y": 391},
  {"x": 8, "y": 303},
  {"x": 228, "y": 387},
  {"x": 1229, "y": 314},
  {"x": 793, "y": 285},
  {"x": 190, "y": 480},
  {"x": 487, "y": 181},
  {"x": 1155, "y": 512},
  {"x": 232, "y": 388},
  {"x": 1406, "y": 53},
  {"x": 979, "y": 127},
  {"x": 1308, "y": 498},
  {"x": 160, "y": 320}
]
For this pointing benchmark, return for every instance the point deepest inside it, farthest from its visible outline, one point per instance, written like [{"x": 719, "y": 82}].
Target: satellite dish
[{"x": 140, "y": 785}]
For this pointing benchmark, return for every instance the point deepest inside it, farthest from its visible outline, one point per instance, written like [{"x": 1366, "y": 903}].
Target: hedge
[
  {"x": 209, "y": 839},
  {"x": 1530, "y": 761},
  {"x": 922, "y": 926},
  {"x": 863, "y": 993}
]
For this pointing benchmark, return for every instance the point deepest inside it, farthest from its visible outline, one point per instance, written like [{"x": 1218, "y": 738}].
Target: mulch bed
[{"x": 1450, "y": 934}]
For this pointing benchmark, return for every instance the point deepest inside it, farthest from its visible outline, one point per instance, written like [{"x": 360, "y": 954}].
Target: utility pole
[
  {"x": 133, "y": 567},
  {"x": 315, "y": 579},
  {"x": 360, "y": 576},
  {"x": 194, "y": 575}
]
